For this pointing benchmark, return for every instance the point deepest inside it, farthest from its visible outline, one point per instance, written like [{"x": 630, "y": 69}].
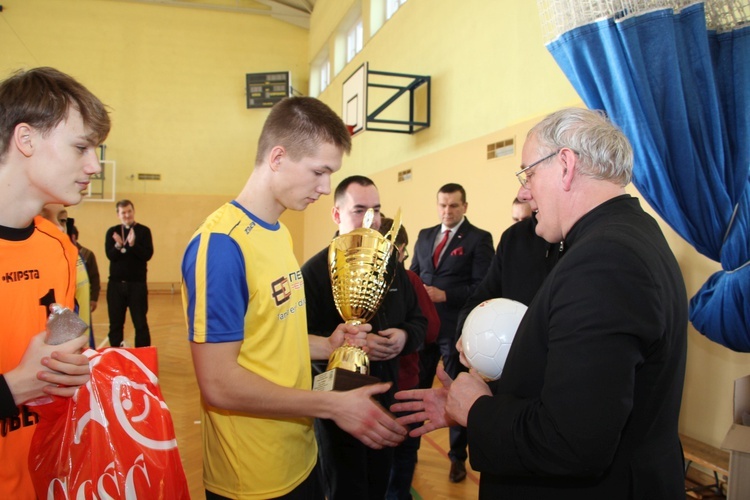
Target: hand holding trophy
[{"x": 361, "y": 271}]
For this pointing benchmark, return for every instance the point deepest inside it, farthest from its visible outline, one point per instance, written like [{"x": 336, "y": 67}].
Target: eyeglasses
[{"x": 522, "y": 175}]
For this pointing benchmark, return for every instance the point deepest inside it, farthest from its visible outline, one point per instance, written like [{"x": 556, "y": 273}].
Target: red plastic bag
[{"x": 113, "y": 439}]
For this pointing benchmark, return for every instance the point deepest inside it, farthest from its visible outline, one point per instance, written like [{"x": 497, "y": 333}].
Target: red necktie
[{"x": 439, "y": 248}]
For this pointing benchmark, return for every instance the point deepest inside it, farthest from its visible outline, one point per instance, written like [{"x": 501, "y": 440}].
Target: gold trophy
[{"x": 361, "y": 271}]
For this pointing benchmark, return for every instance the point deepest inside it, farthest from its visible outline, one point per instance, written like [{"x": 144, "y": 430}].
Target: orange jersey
[{"x": 37, "y": 268}]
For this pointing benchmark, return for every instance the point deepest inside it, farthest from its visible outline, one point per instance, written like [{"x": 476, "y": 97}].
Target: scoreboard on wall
[{"x": 266, "y": 89}]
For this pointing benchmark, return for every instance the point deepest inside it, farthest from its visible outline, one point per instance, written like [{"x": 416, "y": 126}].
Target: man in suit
[
  {"x": 588, "y": 403},
  {"x": 521, "y": 263},
  {"x": 451, "y": 258}
]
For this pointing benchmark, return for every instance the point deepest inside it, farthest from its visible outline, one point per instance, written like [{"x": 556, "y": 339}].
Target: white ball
[{"x": 488, "y": 333}]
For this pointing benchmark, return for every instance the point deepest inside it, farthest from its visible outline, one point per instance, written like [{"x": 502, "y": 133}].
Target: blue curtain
[{"x": 681, "y": 93}]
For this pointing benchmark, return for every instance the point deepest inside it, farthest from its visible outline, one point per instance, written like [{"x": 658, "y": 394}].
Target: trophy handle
[
  {"x": 391, "y": 235},
  {"x": 368, "y": 218}
]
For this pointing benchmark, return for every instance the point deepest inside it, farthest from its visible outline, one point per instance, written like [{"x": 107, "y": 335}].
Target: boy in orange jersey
[{"x": 50, "y": 126}]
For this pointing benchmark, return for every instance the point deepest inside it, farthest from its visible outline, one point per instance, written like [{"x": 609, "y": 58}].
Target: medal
[{"x": 122, "y": 235}]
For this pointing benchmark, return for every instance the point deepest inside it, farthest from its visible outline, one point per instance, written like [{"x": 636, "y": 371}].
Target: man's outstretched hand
[{"x": 425, "y": 405}]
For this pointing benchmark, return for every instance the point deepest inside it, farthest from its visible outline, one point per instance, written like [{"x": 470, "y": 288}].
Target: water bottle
[{"x": 63, "y": 325}]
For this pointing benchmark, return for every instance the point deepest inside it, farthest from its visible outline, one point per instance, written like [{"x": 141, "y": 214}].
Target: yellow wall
[
  {"x": 490, "y": 72},
  {"x": 488, "y": 66},
  {"x": 174, "y": 78}
]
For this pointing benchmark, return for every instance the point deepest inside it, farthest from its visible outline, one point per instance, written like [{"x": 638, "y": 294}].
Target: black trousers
[
  {"x": 121, "y": 296},
  {"x": 309, "y": 489},
  {"x": 350, "y": 470}
]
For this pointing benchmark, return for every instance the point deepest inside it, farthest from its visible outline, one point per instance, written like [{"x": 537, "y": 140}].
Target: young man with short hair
[
  {"x": 50, "y": 126},
  {"x": 399, "y": 327},
  {"x": 244, "y": 300}
]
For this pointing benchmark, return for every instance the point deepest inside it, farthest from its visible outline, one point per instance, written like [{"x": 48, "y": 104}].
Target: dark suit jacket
[
  {"x": 463, "y": 266},
  {"x": 587, "y": 406},
  {"x": 521, "y": 262}
]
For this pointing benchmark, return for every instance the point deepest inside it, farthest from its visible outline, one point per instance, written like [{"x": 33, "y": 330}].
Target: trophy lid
[{"x": 367, "y": 230}]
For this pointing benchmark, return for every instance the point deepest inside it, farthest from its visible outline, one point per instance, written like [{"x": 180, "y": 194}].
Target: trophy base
[{"x": 338, "y": 379}]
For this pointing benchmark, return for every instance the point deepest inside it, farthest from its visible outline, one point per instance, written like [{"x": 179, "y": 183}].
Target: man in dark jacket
[
  {"x": 521, "y": 262},
  {"x": 588, "y": 403},
  {"x": 350, "y": 469},
  {"x": 129, "y": 248}
]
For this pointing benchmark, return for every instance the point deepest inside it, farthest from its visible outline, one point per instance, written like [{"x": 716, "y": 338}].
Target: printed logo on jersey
[
  {"x": 250, "y": 227},
  {"x": 24, "y": 419},
  {"x": 281, "y": 289},
  {"x": 292, "y": 309},
  {"x": 14, "y": 276},
  {"x": 296, "y": 281}
]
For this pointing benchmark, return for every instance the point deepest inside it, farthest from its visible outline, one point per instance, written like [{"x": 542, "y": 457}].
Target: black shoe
[{"x": 458, "y": 472}]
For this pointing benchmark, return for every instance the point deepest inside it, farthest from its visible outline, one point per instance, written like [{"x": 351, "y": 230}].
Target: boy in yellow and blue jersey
[{"x": 244, "y": 302}]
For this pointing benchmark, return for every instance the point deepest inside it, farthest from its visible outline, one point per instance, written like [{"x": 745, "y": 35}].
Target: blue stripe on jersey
[
  {"x": 188, "y": 284},
  {"x": 214, "y": 274},
  {"x": 271, "y": 227}
]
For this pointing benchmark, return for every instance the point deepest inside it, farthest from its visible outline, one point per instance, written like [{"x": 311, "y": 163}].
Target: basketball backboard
[
  {"x": 354, "y": 104},
  {"x": 386, "y": 102},
  {"x": 102, "y": 185}
]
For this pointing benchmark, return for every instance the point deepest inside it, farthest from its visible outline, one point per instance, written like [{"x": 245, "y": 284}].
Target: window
[
  {"x": 354, "y": 40},
  {"x": 325, "y": 74},
  {"x": 391, "y": 6},
  {"x": 320, "y": 73}
]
